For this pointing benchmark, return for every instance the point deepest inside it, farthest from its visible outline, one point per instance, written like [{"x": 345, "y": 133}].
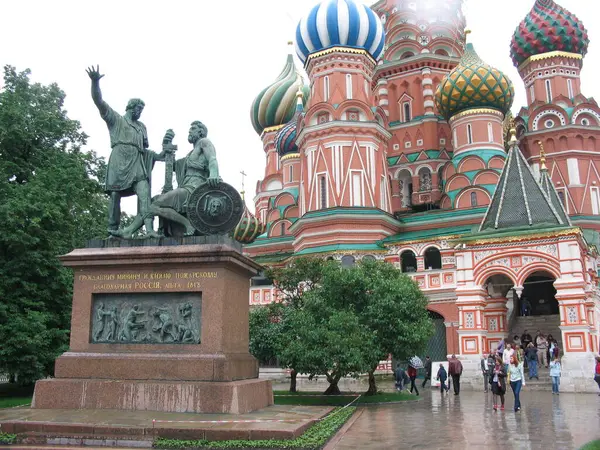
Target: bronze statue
[
  {"x": 198, "y": 168},
  {"x": 129, "y": 170}
]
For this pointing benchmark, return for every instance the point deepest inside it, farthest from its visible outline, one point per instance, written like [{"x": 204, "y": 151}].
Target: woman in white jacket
[{"x": 516, "y": 376}]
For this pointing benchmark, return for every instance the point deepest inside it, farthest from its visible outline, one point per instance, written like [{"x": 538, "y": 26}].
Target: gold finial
[
  {"x": 290, "y": 42},
  {"x": 513, "y": 132},
  {"x": 542, "y": 156},
  {"x": 467, "y": 33}
]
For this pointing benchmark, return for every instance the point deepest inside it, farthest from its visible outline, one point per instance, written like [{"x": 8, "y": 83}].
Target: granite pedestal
[{"x": 187, "y": 350}]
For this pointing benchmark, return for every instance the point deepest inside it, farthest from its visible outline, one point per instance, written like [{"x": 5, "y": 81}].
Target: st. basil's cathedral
[{"x": 402, "y": 148}]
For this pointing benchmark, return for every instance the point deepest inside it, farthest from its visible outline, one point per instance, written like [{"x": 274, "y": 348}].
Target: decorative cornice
[
  {"x": 470, "y": 112},
  {"x": 355, "y": 51},
  {"x": 271, "y": 129},
  {"x": 525, "y": 237},
  {"x": 549, "y": 55},
  {"x": 289, "y": 156},
  {"x": 420, "y": 241}
]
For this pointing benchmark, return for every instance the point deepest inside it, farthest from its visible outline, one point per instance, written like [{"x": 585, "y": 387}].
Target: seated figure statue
[{"x": 199, "y": 167}]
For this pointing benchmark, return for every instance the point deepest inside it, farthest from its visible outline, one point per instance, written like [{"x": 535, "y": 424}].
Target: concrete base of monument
[
  {"x": 236, "y": 397},
  {"x": 109, "y": 428}
]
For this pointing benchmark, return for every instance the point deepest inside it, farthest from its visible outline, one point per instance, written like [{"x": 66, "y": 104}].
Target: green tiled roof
[
  {"x": 485, "y": 154},
  {"x": 519, "y": 200},
  {"x": 440, "y": 215},
  {"x": 264, "y": 240},
  {"x": 272, "y": 258}
]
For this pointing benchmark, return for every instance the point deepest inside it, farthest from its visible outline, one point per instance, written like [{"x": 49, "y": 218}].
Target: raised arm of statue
[
  {"x": 106, "y": 111},
  {"x": 213, "y": 166}
]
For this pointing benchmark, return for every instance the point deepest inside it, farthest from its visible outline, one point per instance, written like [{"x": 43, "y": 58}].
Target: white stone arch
[
  {"x": 549, "y": 112},
  {"x": 585, "y": 111}
]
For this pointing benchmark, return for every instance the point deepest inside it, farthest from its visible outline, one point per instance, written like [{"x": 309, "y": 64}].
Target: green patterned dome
[
  {"x": 276, "y": 104},
  {"x": 548, "y": 28},
  {"x": 474, "y": 84}
]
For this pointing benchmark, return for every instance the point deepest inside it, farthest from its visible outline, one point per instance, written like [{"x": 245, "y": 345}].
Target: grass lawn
[
  {"x": 318, "y": 399},
  {"x": 14, "y": 395},
  {"x": 595, "y": 445}
]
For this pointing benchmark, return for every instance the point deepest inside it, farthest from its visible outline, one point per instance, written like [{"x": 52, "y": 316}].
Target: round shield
[{"x": 215, "y": 210}]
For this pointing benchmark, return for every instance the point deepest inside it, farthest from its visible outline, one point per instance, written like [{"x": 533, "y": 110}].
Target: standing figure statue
[
  {"x": 198, "y": 168},
  {"x": 130, "y": 164}
]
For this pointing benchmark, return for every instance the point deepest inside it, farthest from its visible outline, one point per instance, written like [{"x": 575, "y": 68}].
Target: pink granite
[{"x": 217, "y": 375}]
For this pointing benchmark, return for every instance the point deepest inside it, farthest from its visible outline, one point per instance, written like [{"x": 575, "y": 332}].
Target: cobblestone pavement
[{"x": 468, "y": 422}]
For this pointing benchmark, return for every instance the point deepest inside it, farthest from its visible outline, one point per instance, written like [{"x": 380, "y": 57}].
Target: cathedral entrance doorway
[
  {"x": 539, "y": 295},
  {"x": 437, "y": 348}
]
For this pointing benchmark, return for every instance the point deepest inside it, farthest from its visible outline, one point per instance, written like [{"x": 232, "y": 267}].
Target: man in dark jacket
[
  {"x": 400, "y": 376},
  {"x": 442, "y": 376},
  {"x": 427, "y": 371},
  {"x": 455, "y": 369}
]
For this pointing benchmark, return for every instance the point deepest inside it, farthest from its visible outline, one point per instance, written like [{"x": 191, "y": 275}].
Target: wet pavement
[{"x": 468, "y": 421}]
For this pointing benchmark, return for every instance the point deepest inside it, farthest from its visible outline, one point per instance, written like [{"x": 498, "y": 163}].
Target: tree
[
  {"x": 265, "y": 329},
  {"x": 291, "y": 282},
  {"x": 388, "y": 303},
  {"x": 323, "y": 340},
  {"x": 51, "y": 202}
]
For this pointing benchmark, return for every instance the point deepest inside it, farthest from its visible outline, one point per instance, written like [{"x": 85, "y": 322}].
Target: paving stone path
[{"x": 468, "y": 422}]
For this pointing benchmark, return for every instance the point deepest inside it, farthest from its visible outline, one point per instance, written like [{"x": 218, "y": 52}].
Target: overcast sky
[{"x": 205, "y": 60}]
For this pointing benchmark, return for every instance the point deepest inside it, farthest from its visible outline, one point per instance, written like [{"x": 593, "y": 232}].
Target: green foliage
[
  {"x": 14, "y": 401},
  {"x": 313, "y": 438},
  {"x": 51, "y": 202},
  {"x": 594, "y": 445},
  {"x": 7, "y": 439},
  {"x": 346, "y": 320},
  {"x": 265, "y": 331}
]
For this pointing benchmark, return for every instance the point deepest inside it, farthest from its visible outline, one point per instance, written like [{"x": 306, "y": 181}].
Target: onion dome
[
  {"x": 275, "y": 106},
  {"x": 340, "y": 23},
  {"x": 248, "y": 228},
  {"x": 285, "y": 141},
  {"x": 547, "y": 28},
  {"x": 474, "y": 84}
]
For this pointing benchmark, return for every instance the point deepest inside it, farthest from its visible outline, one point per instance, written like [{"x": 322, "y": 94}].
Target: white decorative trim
[
  {"x": 548, "y": 112},
  {"x": 585, "y": 110}
]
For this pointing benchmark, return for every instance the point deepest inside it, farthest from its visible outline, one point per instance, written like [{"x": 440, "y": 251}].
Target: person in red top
[
  {"x": 597, "y": 372},
  {"x": 412, "y": 374}
]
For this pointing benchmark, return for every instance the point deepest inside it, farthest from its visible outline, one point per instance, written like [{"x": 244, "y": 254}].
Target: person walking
[
  {"x": 498, "y": 383},
  {"x": 455, "y": 369},
  {"x": 427, "y": 371},
  {"x": 551, "y": 344},
  {"x": 531, "y": 357},
  {"x": 412, "y": 374},
  {"x": 517, "y": 380},
  {"x": 442, "y": 376},
  {"x": 506, "y": 355},
  {"x": 399, "y": 376},
  {"x": 555, "y": 371},
  {"x": 500, "y": 347},
  {"x": 516, "y": 340},
  {"x": 485, "y": 370},
  {"x": 542, "y": 345},
  {"x": 597, "y": 372}
]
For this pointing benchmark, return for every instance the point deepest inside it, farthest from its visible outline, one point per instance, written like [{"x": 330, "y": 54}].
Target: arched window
[
  {"x": 433, "y": 259},
  {"x": 349, "y": 86},
  {"x": 532, "y": 93},
  {"x": 469, "y": 134},
  {"x": 490, "y": 132},
  {"x": 441, "y": 52},
  {"x": 407, "y": 55},
  {"x": 326, "y": 89},
  {"x": 406, "y": 111},
  {"x": 282, "y": 229},
  {"x": 323, "y": 191},
  {"x": 408, "y": 261},
  {"x": 348, "y": 261},
  {"x": 291, "y": 173},
  {"x": 473, "y": 198}
]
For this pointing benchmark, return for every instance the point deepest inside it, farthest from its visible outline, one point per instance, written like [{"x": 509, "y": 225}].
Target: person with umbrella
[{"x": 413, "y": 364}]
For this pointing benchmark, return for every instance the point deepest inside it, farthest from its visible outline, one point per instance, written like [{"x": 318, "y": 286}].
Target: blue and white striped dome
[{"x": 340, "y": 23}]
